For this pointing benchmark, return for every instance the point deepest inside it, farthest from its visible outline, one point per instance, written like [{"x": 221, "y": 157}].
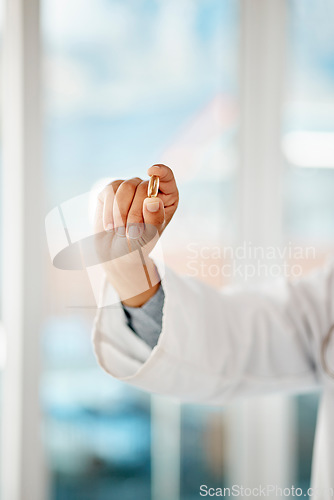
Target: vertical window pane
[
  {"x": 309, "y": 123},
  {"x": 308, "y": 139}
]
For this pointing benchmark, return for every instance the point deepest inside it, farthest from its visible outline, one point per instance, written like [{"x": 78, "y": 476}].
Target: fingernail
[
  {"x": 152, "y": 206},
  {"x": 121, "y": 231},
  {"x": 134, "y": 231},
  {"x": 109, "y": 227}
]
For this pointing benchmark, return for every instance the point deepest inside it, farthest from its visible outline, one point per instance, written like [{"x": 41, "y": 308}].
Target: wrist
[
  {"x": 135, "y": 283},
  {"x": 141, "y": 299}
]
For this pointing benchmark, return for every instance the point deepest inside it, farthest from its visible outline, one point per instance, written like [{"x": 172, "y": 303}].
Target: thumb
[{"x": 154, "y": 213}]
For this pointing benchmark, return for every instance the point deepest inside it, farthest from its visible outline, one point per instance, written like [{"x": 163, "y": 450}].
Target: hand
[{"x": 126, "y": 221}]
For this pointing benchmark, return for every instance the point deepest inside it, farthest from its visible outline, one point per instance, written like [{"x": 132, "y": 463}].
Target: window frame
[{"x": 22, "y": 464}]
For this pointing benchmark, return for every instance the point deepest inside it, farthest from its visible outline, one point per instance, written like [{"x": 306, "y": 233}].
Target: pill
[{"x": 153, "y": 187}]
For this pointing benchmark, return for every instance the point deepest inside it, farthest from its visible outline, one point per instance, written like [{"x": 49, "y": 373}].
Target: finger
[
  {"x": 107, "y": 198},
  {"x": 98, "y": 217},
  {"x": 122, "y": 203},
  {"x": 154, "y": 213},
  {"x": 135, "y": 220},
  {"x": 167, "y": 184}
]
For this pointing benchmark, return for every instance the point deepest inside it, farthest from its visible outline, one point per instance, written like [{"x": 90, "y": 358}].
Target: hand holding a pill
[{"x": 132, "y": 214}]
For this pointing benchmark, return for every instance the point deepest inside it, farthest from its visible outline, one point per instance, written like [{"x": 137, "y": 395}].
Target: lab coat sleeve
[{"x": 215, "y": 346}]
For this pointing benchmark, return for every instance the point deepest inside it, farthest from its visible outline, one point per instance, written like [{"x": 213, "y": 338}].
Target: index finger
[{"x": 167, "y": 183}]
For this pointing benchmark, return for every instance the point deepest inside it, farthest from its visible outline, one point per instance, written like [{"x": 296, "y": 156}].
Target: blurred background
[{"x": 129, "y": 83}]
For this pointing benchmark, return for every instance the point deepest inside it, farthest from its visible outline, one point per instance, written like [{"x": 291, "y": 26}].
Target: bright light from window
[{"x": 309, "y": 149}]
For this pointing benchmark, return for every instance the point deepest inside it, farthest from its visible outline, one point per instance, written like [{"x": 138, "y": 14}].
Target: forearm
[{"x": 214, "y": 346}]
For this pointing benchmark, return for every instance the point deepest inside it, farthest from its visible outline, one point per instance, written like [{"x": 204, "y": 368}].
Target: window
[
  {"x": 127, "y": 83},
  {"x": 309, "y": 123}
]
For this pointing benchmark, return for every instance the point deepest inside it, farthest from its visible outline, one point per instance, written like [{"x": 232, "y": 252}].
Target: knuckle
[
  {"x": 114, "y": 185},
  {"x": 142, "y": 188},
  {"x": 127, "y": 188},
  {"x": 106, "y": 191},
  {"x": 134, "y": 181},
  {"x": 169, "y": 170},
  {"x": 109, "y": 190}
]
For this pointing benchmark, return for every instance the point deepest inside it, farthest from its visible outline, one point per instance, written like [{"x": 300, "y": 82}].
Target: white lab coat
[{"x": 216, "y": 346}]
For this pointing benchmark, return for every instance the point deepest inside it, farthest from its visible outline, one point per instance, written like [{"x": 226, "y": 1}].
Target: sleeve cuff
[
  {"x": 146, "y": 321},
  {"x": 119, "y": 350}
]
